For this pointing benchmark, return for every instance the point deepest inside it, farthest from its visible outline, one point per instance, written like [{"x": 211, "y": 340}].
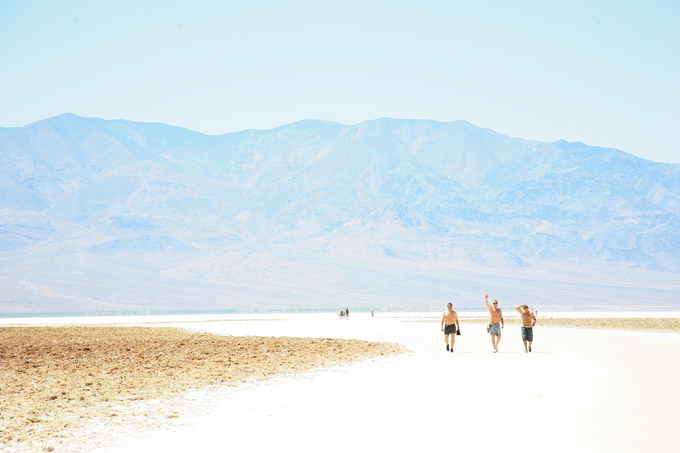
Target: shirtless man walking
[
  {"x": 528, "y": 323},
  {"x": 449, "y": 325},
  {"x": 496, "y": 322}
]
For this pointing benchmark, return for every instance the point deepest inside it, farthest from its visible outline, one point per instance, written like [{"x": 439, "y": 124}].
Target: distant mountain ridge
[{"x": 405, "y": 191}]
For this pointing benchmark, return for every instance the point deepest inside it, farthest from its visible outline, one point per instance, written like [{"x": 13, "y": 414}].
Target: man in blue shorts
[{"x": 496, "y": 322}]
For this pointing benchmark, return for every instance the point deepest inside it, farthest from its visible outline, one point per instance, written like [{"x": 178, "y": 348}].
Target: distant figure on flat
[
  {"x": 496, "y": 323},
  {"x": 450, "y": 326},
  {"x": 342, "y": 314},
  {"x": 528, "y": 323},
  {"x": 346, "y": 313}
]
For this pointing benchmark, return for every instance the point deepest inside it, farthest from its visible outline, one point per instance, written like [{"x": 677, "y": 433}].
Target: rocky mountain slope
[{"x": 115, "y": 215}]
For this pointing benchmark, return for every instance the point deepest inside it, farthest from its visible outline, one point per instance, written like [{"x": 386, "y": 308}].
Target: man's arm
[
  {"x": 441, "y": 326},
  {"x": 502, "y": 321},
  {"x": 519, "y": 308},
  {"x": 486, "y": 301},
  {"x": 533, "y": 316}
]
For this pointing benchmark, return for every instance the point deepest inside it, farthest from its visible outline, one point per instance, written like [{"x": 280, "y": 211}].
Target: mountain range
[{"x": 119, "y": 216}]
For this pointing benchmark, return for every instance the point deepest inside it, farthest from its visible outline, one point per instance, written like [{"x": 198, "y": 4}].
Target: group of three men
[{"x": 450, "y": 325}]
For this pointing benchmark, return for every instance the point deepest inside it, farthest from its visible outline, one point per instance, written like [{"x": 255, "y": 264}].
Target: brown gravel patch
[
  {"x": 54, "y": 379},
  {"x": 643, "y": 324}
]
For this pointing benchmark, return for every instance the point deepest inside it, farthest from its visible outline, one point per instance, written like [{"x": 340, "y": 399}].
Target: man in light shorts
[
  {"x": 496, "y": 322},
  {"x": 449, "y": 326},
  {"x": 528, "y": 323}
]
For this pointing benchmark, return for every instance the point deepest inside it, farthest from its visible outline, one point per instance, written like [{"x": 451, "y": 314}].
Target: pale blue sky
[{"x": 605, "y": 73}]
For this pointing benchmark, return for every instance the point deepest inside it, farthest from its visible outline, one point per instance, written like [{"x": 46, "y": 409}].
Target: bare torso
[
  {"x": 496, "y": 315},
  {"x": 450, "y": 317},
  {"x": 528, "y": 318}
]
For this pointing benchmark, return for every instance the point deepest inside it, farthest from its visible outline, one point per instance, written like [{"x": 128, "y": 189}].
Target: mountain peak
[{"x": 62, "y": 118}]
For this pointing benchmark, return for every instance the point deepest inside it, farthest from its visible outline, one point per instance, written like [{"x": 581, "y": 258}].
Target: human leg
[
  {"x": 528, "y": 337},
  {"x": 495, "y": 339}
]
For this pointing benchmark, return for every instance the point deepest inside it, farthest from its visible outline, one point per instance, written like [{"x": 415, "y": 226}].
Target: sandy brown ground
[
  {"x": 54, "y": 379},
  {"x": 644, "y": 324}
]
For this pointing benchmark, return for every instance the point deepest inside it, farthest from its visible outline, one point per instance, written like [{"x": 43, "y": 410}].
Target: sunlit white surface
[{"x": 580, "y": 390}]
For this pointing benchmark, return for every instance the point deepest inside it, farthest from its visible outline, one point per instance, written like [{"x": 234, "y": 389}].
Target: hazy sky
[{"x": 605, "y": 73}]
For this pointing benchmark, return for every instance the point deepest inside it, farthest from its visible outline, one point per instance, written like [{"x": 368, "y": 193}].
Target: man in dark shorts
[
  {"x": 449, "y": 326},
  {"x": 528, "y": 323}
]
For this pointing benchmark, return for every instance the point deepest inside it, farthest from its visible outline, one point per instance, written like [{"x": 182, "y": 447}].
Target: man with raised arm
[
  {"x": 496, "y": 323},
  {"x": 528, "y": 323},
  {"x": 449, "y": 326}
]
